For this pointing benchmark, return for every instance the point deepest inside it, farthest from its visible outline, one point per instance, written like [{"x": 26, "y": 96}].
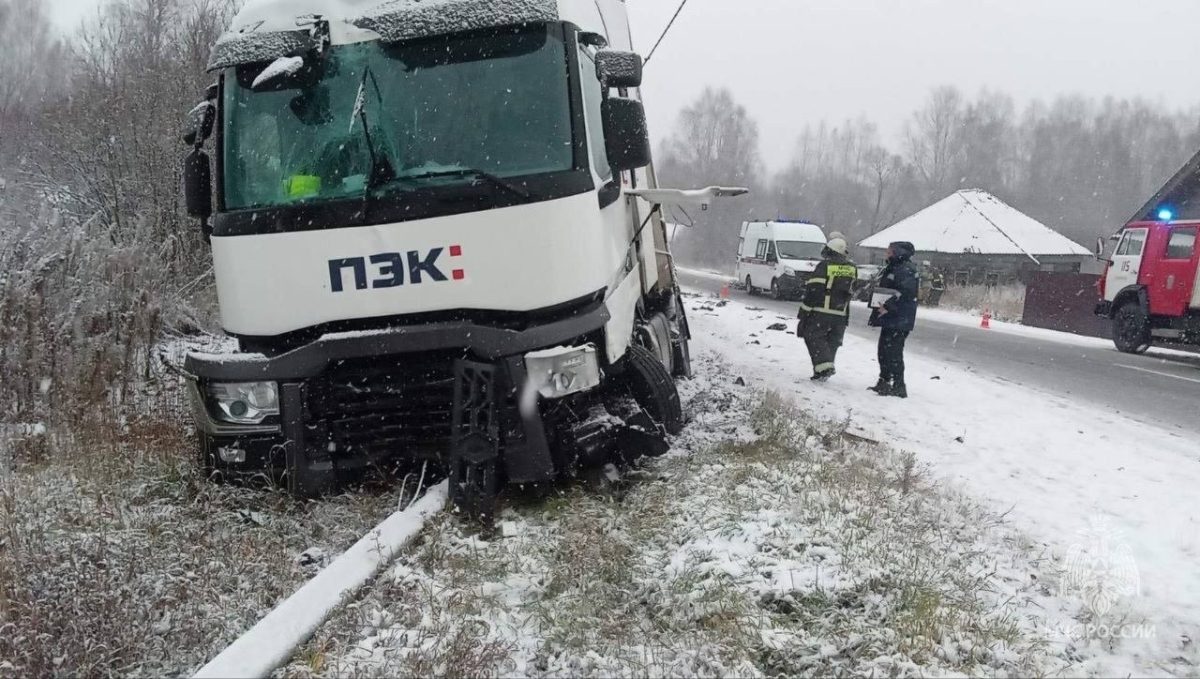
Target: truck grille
[{"x": 383, "y": 408}]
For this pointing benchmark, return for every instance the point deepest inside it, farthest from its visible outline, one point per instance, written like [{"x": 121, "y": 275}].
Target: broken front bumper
[{"x": 349, "y": 401}]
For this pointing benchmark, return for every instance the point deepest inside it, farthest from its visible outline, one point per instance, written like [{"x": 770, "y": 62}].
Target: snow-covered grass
[
  {"x": 768, "y": 542},
  {"x": 1113, "y": 498},
  {"x": 1006, "y": 302},
  {"x": 116, "y": 558},
  {"x": 275, "y": 638}
]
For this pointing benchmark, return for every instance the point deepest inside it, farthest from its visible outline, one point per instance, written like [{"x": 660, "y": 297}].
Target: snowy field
[
  {"x": 1113, "y": 499},
  {"x": 766, "y": 543},
  {"x": 994, "y": 531},
  {"x": 978, "y": 528}
]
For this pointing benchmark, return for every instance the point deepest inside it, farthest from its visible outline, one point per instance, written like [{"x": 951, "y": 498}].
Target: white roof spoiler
[{"x": 686, "y": 198}]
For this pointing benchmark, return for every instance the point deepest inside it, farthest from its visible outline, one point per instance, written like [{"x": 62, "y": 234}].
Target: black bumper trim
[{"x": 486, "y": 342}]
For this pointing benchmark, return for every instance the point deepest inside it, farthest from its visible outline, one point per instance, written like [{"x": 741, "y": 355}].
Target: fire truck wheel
[
  {"x": 654, "y": 389},
  {"x": 1131, "y": 332}
]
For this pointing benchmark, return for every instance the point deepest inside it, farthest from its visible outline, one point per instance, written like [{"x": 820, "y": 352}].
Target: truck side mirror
[
  {"x": 199, "y": 125},
  {"x": 626, "y": 137},
  {"x": 616, "y": 68},
  {"x": 197, "y": 184},
  {"x": 1099, "y": 248}
]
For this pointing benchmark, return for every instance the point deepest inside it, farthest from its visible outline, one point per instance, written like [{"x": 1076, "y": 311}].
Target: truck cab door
[
  {"x": 1126, "y": 262},
  {"x": 1174, "y": 271}
]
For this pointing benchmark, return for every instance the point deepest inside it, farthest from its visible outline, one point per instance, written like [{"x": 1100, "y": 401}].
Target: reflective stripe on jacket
[{"x": 829, "y": 289}]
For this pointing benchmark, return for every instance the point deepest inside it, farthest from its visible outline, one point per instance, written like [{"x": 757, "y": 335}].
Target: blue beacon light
[{"x": 1165, "y": 215}]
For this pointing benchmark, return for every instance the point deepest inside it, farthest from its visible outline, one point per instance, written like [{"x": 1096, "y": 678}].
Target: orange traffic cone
[
  {"x": 986, "y": 323},
  {"x": 725, "y": 291}
]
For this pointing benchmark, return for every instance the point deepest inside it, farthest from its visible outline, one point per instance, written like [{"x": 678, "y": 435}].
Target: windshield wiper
[
  {"x": 381, "y": 168},
  {"x": 490, "y": 178}
]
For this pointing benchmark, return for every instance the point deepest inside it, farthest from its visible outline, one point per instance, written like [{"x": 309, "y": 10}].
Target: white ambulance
[{"x": 778, "y": 256}]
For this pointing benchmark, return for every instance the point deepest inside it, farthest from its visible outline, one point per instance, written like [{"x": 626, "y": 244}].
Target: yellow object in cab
[{"x": 302, "y": 186}]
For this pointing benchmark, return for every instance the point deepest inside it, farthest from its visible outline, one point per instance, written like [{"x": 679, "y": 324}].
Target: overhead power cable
[{"x": 665, "y": 31}]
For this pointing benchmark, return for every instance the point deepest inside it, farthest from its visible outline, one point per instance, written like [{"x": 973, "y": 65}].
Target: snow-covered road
[
  {"x": 1116, "y": 498},
  {"x": 1159, "y": 388}
]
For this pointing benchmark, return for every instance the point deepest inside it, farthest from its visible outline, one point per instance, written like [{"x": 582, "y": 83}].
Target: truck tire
[
  {"x": 654, "y": 389},
  {"x": 749, "y": 285},
  {"x": 655, "y": 335},
  {"x": 776, "y": 292},
  {"x": 1131, "y": 330}
]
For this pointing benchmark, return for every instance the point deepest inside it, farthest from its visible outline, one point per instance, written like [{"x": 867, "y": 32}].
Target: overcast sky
[{"x": 793, "y": 62}]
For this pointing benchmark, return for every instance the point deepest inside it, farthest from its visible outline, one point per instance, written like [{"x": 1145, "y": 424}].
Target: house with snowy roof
[{"x": 975, "y": 238}]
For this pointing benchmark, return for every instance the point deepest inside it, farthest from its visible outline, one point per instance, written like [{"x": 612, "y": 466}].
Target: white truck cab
[
  {"x": 437, "y": 237},
  {"x": 778, "y": 256}
]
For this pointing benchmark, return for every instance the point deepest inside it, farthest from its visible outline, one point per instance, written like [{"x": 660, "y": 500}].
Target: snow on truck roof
[
  {"x": 268, "y": 29},
  {"x": 974, "y": 221}
]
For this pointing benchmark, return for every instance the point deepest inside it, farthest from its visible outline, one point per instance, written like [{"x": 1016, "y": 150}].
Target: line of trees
[
  {"x": 1081, "y": 166},
  {"x": 97, "y": 258}
]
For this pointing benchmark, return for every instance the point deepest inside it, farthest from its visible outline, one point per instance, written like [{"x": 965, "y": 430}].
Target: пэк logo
[{"x": 393, "y": 269}]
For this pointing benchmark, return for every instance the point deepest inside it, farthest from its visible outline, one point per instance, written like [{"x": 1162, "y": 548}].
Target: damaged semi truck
[{"x": 437, "y": 238}]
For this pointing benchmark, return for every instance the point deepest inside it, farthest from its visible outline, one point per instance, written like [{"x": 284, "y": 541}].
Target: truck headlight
[
  {"x": 244, "y": 402},
  {"x": 563, "y": 371},
  {"x": 789, "y": 271}
]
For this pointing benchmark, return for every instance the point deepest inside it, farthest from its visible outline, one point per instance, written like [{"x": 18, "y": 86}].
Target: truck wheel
[
  {"x": 655, "y": 335},
  {"x": 749, "y": 286},
  {"x": 654, "y": 390},
  {"x": 1131, "y": 331}
]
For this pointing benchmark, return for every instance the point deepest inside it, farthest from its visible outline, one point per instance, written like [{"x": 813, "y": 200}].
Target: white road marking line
[{"x": 1157, "y": 372}]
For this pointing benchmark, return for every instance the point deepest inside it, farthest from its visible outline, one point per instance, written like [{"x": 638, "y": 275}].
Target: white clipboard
[{"x": 879, "y": 296}]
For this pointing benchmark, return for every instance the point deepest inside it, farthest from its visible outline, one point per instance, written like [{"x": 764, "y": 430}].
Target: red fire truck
[{"x": 1149, "y": 288}]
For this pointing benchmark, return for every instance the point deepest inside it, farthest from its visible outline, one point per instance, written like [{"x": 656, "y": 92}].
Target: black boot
[
  {"x": 899, "y": 390},
  {"x": 882, "y": 387},
  {"x": 824, "y": 375}
]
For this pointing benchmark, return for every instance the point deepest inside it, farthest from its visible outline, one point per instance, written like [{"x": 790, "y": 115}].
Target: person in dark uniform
[
  {"x": 895, "y": 317},
  {"x": 825, "y": 307}
]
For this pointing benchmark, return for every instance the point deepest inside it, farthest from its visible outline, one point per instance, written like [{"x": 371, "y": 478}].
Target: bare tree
[
  {"x": 105, "y": 260},
  {"x": 714, "y": 142},
  {"x": 934, "y": 140},
  {"x": 886, "y": 170},
  {"x": 987, "y": 140},
  {"x": 32, "y": 58}
]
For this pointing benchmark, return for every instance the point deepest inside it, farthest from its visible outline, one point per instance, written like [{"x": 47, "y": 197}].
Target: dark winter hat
[{"x": 902, "y": 250}]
